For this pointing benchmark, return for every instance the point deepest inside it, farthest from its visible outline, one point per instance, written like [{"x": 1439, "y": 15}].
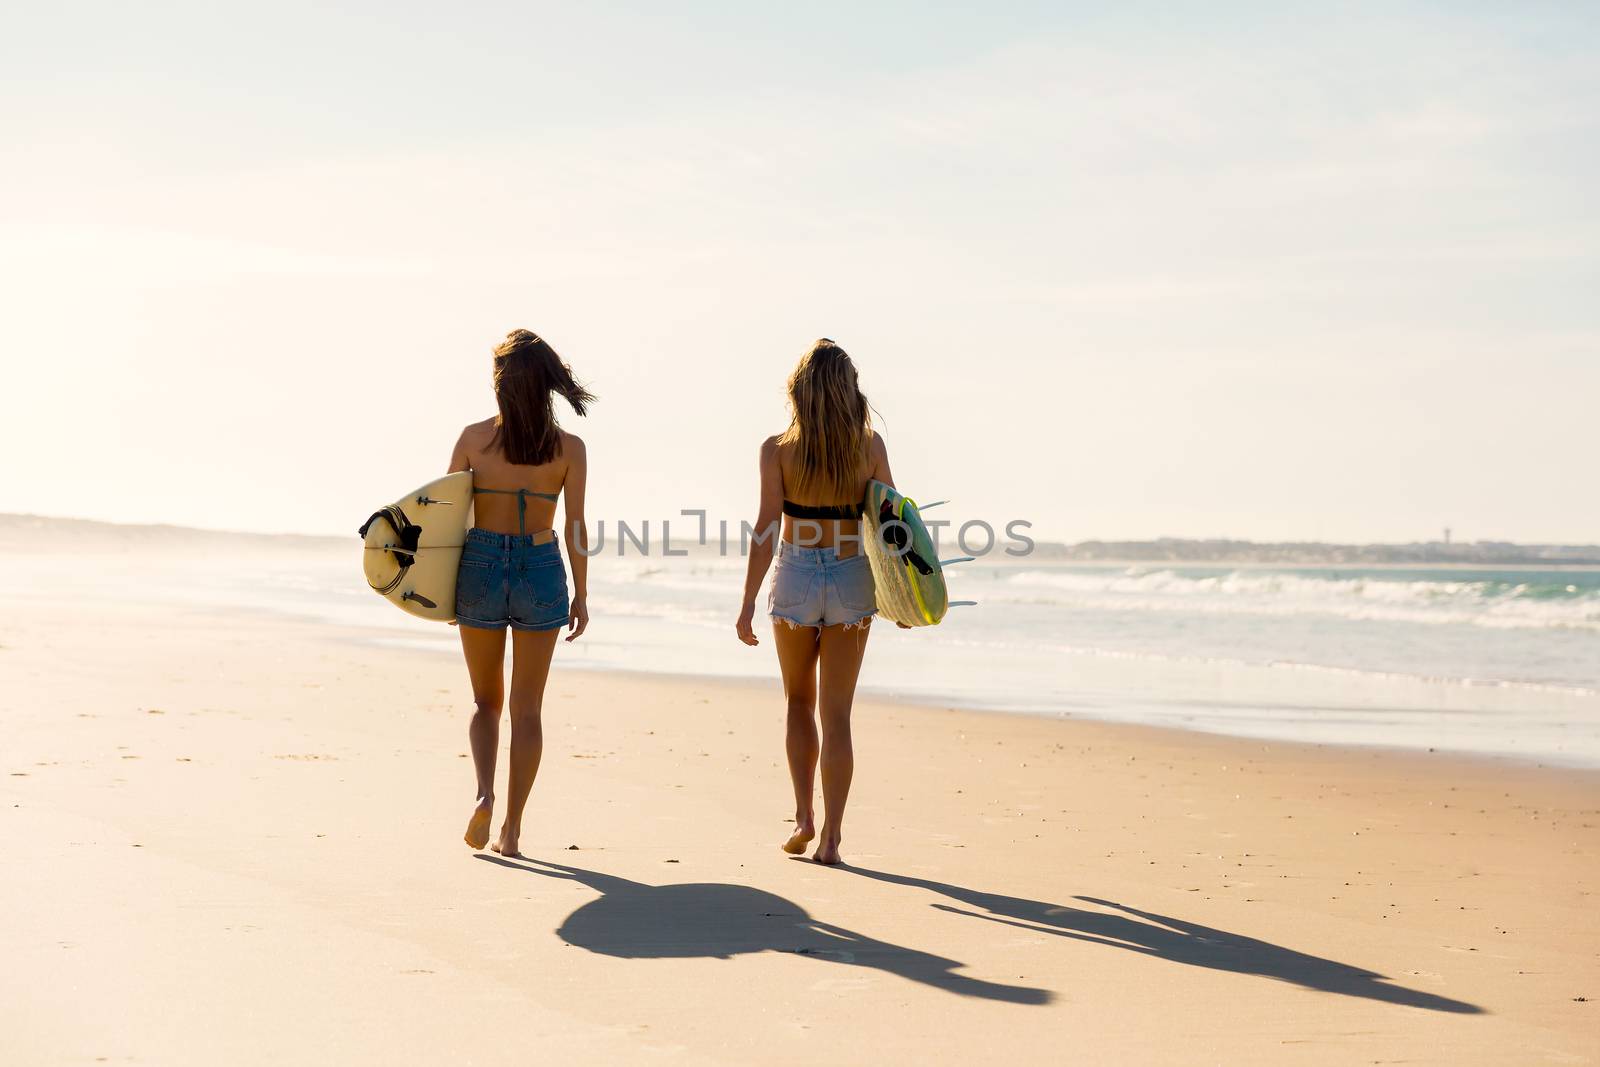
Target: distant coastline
[{"x": 19, "y": 530}]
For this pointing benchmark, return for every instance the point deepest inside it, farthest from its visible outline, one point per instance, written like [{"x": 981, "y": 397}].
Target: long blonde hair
[{"x": 830, "y": 422}]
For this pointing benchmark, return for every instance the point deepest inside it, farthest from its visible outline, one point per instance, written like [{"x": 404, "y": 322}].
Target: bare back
[
  {"x": 498, "y": 512},
  {"x": 828, "y": 533}
]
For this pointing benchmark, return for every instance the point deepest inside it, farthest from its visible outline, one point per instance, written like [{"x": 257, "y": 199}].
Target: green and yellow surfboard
[{"x": 905, "y": 563}]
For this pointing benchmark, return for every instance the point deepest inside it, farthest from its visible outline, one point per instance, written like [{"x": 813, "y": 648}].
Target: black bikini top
[{"x": 821, "y": 511}]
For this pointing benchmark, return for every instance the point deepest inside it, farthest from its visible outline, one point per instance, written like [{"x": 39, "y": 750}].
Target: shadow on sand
[
  {"x": 714, "y": 919},
  {"x": 1176, "y": 940}
]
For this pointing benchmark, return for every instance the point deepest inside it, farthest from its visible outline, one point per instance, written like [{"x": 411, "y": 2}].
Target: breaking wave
[{"x": 1542, "y": 601}]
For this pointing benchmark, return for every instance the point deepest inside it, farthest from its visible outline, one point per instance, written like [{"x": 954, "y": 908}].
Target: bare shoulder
[
  {"x": 477, "y": 433},
  {"x": 878, "y": 460},
  {"x": 769, "y": 448},
  {"x": 572, "y": 447},
  {"x": 474, "y": 441}
]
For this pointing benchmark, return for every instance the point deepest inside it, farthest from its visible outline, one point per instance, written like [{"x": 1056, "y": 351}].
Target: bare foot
[
  {"x": 803, "y": 833},
  {"x": 506, "y": 844},
  {"x": 477, "y": 834},
  {"x": 827, "y": 851}
]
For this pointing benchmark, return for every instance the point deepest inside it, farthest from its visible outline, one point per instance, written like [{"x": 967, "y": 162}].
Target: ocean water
[{"x": 1492, "y": 661}]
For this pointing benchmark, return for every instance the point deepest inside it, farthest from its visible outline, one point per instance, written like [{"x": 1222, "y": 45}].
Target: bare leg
[
  {"x": 840, "y": 650},
  {"x": 530, "y": 668},
  {"x": 797, "y": 658},
  {"x": 486, "y": 655}
]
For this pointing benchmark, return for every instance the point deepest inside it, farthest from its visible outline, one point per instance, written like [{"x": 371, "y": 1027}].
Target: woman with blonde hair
[{"x": 814, "y": 475}]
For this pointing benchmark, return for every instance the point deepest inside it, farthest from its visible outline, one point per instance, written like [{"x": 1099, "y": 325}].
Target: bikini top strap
[
  {"x": 522, "y": 496},
  {"x": 821, "y": 511}
]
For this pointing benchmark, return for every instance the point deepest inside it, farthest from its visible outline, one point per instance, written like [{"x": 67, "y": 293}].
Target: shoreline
[
  {"x": 1526, "y": 721},
  {"x": 1207, "y": 686},
  {"x": 773, "y": 687},
  {"x": 956, "y": 702}
]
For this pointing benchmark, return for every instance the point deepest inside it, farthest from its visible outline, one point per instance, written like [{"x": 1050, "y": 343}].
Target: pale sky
[{"x": 1265, "y": 271}]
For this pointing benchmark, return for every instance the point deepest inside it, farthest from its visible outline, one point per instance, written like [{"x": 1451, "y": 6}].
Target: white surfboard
[{"x": 412, "y": 548}]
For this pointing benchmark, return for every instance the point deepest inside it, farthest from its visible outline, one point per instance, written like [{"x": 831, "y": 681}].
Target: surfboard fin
[{"x": 956, "y": 559}]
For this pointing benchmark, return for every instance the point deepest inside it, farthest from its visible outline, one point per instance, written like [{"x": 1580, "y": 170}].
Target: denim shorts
[
  {"x": 814, "y": 587},
  {"x": 507, "y": 580}
]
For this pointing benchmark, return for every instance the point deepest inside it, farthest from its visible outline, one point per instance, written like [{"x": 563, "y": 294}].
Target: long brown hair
[
  {"x": 526, "y": 372},
  {"x": 830, "y": 423}
]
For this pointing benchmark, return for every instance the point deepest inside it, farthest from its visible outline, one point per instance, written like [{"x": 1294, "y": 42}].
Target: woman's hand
[
  {"x": 577, "y": 619},
  {"x": 744, "y": 627}
]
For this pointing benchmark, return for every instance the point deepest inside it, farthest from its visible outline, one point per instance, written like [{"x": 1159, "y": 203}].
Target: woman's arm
[
  {"x": 878, "y": 453},
  {"x": 768, "y": 516},
  {"x": 576, "y": 532},
  {"x": 460, "y": 458}
]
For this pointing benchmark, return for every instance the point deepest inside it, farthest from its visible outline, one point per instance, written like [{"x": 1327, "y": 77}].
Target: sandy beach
[{"x": 236, "y": 838}]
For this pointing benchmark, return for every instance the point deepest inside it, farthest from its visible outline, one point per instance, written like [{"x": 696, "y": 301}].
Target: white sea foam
[{"x": 1442, "y": 601}]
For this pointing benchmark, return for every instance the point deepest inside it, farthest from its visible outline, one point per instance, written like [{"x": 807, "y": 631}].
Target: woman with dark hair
[
  {"x": 814, "y": 475},
  {"x": 511, "y": 574}
]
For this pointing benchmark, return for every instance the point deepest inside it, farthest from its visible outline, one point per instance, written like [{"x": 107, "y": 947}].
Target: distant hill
[{"x": 1182, "y": 550}]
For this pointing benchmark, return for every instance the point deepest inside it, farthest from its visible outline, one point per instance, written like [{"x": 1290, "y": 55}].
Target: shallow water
[{"x": 1494, "y": 661}]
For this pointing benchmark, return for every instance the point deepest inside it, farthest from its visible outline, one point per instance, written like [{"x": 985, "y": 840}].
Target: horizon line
[{"x": 8, "y": 516}]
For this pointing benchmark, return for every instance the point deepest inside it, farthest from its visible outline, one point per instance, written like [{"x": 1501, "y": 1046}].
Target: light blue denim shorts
[
  {"x": 507, "y": 580},
  {"x": 814, "y": 587}
]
